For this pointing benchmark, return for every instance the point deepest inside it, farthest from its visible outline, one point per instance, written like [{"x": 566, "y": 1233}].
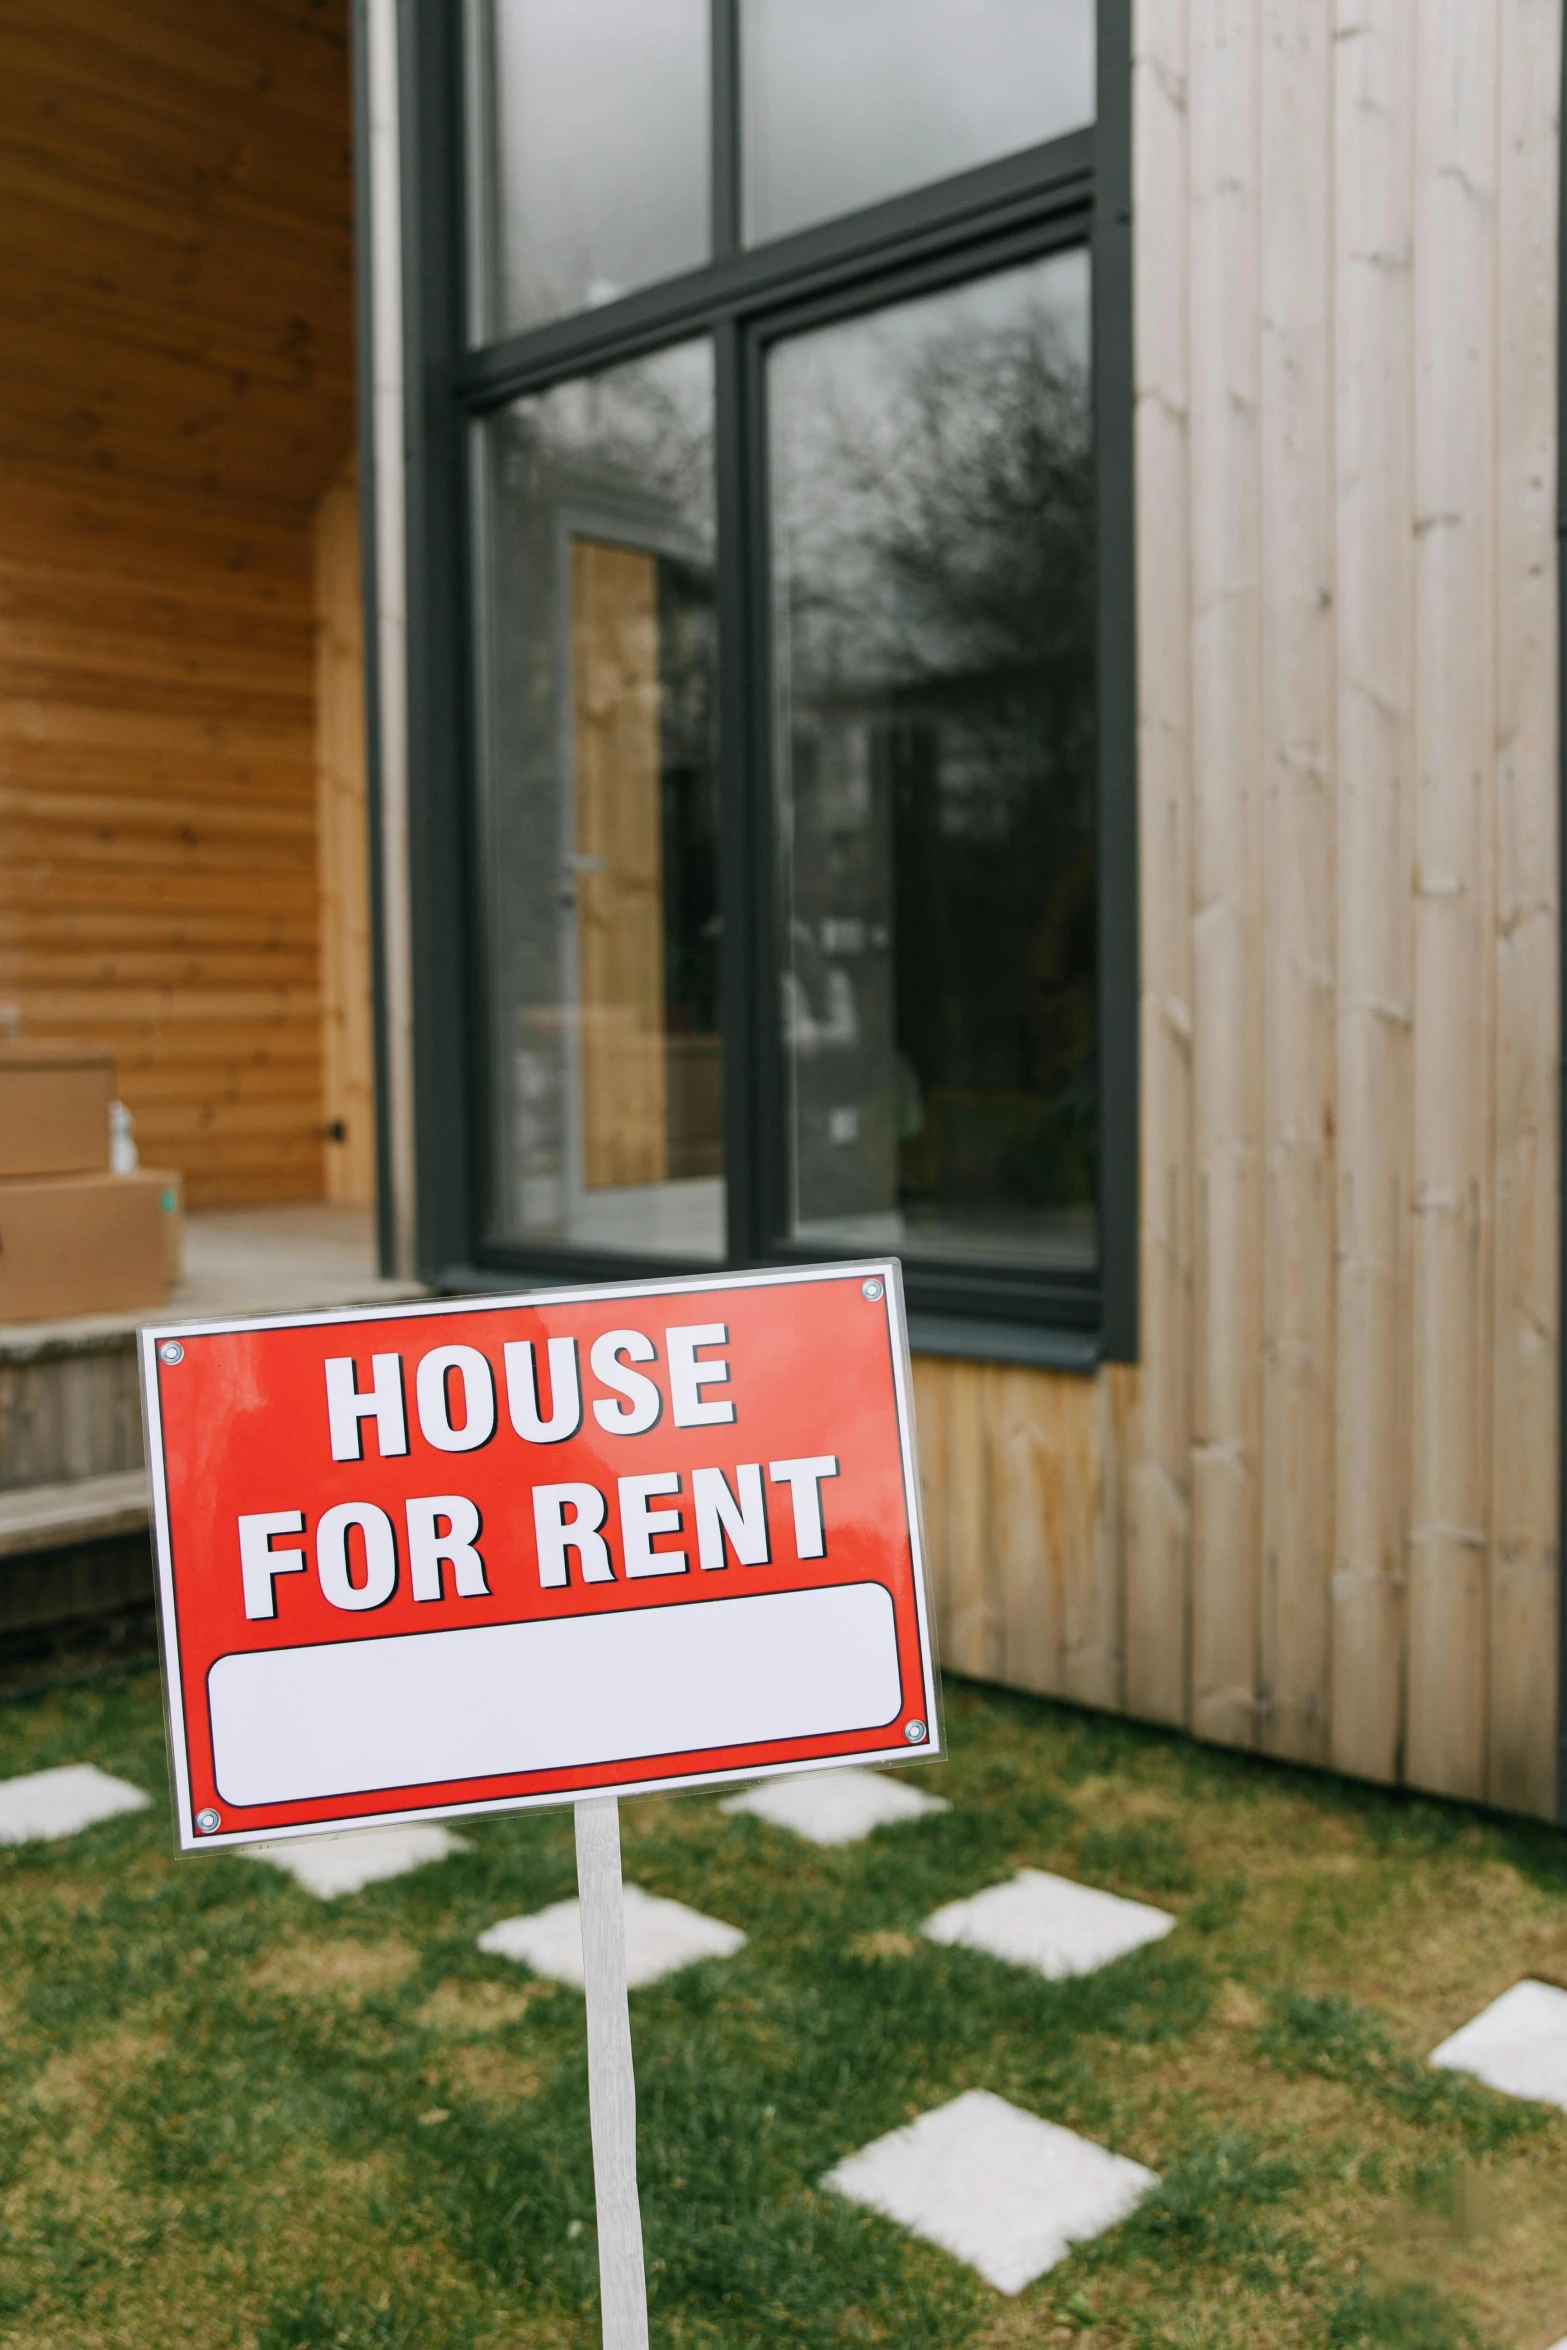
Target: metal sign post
[{"x": 612, "y": 2089}]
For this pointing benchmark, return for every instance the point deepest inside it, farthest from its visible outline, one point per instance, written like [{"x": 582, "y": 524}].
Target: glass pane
[
  {"x": 601, "y": 811},
  {"x": 849, "y": 101},
  {"x": 932, "y": 476},
  {"x": 593, "y": 118}
]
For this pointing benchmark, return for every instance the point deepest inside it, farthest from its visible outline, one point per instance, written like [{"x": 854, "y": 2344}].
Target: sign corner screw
[
  {"x": 171, "y": 1352},
  {"x": 871, "y": 1289},
  {"x": 915, "y": 1733},
  {"x": 208, "y": 1822}
]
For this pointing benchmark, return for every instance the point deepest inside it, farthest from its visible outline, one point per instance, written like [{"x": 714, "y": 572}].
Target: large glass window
[
  {"x": 590, "y": 152},
  {"x": 771, "y": 751},
  {"x": 847, "y": 101},
  {"x": 932, "y": 535},
  {"x": 600, "y": 794}
]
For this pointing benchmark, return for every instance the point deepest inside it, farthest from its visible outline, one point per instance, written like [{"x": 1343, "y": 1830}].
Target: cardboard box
[
  {"x": 81, "y": 1244},
  {"x": 171, "y": 1208},
  {"x": 54, "y": 1108}
]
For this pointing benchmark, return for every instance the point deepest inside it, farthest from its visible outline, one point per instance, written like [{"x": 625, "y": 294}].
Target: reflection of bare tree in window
[
  {"x": 941, "y": 570},
  {"x": 962, "y": 499},
  {"x": 639, "y": 438}
]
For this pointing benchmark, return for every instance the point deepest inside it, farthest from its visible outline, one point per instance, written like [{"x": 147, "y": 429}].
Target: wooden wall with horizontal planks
[
  {"x": 176, "y": 294},
  {"x": 1319, "y": 1518}
]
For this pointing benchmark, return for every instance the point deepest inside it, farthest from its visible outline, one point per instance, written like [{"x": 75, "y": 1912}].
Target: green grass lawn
[{"x": 236, "y": 2115}]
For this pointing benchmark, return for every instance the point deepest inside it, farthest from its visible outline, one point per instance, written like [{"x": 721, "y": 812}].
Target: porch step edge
[{"x": 83, "y": 1509}]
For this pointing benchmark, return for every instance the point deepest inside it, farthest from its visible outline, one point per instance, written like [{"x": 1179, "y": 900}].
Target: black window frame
[{"x": 1074, "y": 190}]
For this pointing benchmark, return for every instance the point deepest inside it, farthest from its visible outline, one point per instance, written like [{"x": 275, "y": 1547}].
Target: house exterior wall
[
  {"x": 176, "y": 282},
  {"x": 1319, "y": 1518},
  {"x": 343, "y": 845}
]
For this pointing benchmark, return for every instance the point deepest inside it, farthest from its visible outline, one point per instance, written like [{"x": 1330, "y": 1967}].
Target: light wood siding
[
  {"x": 1373, "y": 151},
  {"x": 343, "y": 849},
  {"x": 176, "y": 289},
  {"x": 1224, "y": 41},
  {"x": 1158, "y": 1505},
  {"x": 1296, "y": 903},
  {"x": 1022, "y": 1475},
  {"x": 1319, "y": 1517},
  {"x": 1521, "y": 1714}
]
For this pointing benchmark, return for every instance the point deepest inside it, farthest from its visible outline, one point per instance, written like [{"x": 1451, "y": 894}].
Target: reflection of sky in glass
[
  {"x": 850, "y": 101},
  {"x": 601, "y": 150}
]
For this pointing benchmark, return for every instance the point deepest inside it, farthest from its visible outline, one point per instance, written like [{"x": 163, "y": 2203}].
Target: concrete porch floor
[
  {"x": 272, "y": 1260},
  {"x": 71, "y": 1457}
]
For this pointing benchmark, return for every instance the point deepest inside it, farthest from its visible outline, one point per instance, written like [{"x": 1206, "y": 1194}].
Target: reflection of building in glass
[{"x": 602, "y": 796}]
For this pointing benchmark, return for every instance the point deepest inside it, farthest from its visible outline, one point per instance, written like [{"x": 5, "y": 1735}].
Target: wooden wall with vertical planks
[
  {"x": 176, "y": 292},
  {"x": 1521, "y": 1709},
  {"x": 1319, "y": 1517},
  {"x": 1158, "y": 1501},
  {"x": 1373, "y": 171}
]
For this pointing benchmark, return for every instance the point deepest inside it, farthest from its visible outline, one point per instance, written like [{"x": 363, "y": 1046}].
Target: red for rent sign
[{"x": 445, "y": 1558}]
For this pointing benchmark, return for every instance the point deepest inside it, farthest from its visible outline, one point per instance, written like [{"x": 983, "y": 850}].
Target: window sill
[
  {"x": 984, "y": 1341},
  {"x": 975, "y": 1338}
]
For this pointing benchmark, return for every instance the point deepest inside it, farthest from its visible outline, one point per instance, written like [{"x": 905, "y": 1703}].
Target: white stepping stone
[
  {"x": 1518, "y": 2045},
  {"x": 62, "y": 1802},
  {"x": 1050, "y": 1924},
  {"x": 330, "y": 1865},
  {"x": 994, "y": 2186},
  {"x": 835, "y": 1807},
  {"x": 661, "y": 1937}
]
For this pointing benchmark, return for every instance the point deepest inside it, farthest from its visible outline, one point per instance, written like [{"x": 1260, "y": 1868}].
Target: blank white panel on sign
[{"x": 291, "y": 1725}]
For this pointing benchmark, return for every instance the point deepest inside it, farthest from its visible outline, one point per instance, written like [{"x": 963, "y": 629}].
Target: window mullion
[
  {"x": 726, "y": 128},
  {"x": 742, "y": 817}
]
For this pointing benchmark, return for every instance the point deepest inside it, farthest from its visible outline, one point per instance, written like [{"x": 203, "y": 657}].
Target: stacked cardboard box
[{"x": 75, "y": 1238}]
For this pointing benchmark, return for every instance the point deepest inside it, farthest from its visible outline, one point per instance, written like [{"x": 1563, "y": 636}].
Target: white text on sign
[
  {"x": 442, "y": 1529},
  {"x": 631, "y": 1404},
  {"x": 722, "y": 1515}
]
